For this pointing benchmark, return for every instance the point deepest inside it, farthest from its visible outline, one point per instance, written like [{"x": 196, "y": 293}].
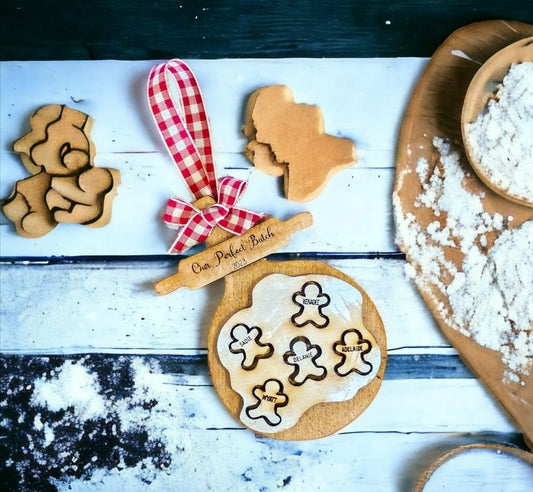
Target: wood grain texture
[
  {"x": 236, "y": 252},
  {"x": 91, "y": 302},
  {"x": 149, "y": 176},
  {"x": 435, "y": 111},
  {"x": 416, "y": 402},
  {"x": 506, "y": 450},
  {"x": 206, "y": 437},
  {"x": 112, "y": 307},
  {"x": 125, "y": 30}
]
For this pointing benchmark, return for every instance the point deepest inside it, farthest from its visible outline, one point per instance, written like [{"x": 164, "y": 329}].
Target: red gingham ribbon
[{"x": 187, "y": 137}]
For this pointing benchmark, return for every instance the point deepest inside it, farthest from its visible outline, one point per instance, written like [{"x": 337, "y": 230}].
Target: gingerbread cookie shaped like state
[
  {"x": 58, "y": 142},
  {"x": 65, "y": 186},
  {"x": 303, "y": 361},
  {"x": 286, "y": 138},
  {"x": 26, "y": 206}
]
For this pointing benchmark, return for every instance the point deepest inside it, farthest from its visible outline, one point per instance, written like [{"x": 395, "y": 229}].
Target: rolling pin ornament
[
  {"x": 237, "y": 252},
  {"x": 296, "y": 349}
]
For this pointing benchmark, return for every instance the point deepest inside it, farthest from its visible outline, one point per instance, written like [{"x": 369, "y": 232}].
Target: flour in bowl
[
  {"x": 490, "y": 295},
  {"x": 501, "y": 138}
]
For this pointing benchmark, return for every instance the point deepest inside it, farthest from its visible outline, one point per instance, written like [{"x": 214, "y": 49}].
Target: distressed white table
[{"x": 105, "y": 385}]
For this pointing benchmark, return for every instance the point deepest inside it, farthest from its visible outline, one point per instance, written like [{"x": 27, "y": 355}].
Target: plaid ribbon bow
[{"x": 187, "y": 137}]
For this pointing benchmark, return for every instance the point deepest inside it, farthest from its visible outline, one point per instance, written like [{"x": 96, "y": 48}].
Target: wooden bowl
[
  {"x": 435, "y": 111},
  {"x": 480, "y": 91}
]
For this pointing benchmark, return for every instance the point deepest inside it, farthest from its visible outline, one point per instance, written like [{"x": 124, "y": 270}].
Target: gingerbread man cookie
[
  {"x": 312, "y": 302},
  {"x": 270, "y": 398},
  {"x": 247, "y": 341},
  {"x": 65, "y": 186},
  {"x": 286, "y": 138}
]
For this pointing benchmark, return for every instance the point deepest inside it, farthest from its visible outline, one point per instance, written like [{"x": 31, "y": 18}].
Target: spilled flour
[
  {"x": 501, "y": 138},
  {"x": 99, "y": 422},
  {"x": 491, "y": 296}
]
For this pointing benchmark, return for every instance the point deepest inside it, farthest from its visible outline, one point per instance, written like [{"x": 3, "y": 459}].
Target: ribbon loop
[{"x": 187, "y": 137}]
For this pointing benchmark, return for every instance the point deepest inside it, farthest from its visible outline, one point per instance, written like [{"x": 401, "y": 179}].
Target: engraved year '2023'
[{"x": 233, "y": 253}]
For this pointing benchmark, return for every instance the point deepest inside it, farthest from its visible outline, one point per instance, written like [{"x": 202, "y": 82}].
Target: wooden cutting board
[
  {"x": 323, "y": 418},
  {"x": 435, "y": 110}
]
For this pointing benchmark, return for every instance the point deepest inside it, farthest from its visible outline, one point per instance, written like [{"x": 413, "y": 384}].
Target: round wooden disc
[{"x": 321, "y": 419}]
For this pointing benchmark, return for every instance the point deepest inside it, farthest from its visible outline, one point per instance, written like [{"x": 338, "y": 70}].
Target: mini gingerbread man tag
[
  {"x": 353, "y": 349},
  {"x": 247, "y": 341},
  {"x": 312, "y": 302},
  {"x": 303, "y": 356},
  {"x": 269, "y": 398}
]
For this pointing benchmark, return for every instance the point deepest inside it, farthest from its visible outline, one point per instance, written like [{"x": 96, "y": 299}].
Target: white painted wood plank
[
  {"x": 112, "y": 306},
  {"x": 240, "y": 462},
  {"x": 433, "y": 405},
  {"x": 354, "y": 215},
  {"x": 341, "y": 463},
  {"x": 421, "y": 405},
  {"x": 369, "y": 112},
  {"x": 364, "y": 98},
  {"x": 399, "y": 435}
]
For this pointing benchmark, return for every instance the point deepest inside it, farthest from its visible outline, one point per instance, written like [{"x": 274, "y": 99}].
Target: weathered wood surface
[
  {"x": 125, "y": 30},
  {"x": 126, "y": 139},
  {"x": 79, "y": 306}
]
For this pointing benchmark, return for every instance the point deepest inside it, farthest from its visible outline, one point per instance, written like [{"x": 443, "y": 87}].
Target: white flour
[
  {"x": 81, "y": 427},
  {"x": 491, "y": 296},
  {"x": 501, "y": 138},
  {"x": 72, "y": 384}
]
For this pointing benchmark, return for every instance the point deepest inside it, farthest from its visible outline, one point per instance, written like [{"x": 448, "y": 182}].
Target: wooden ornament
[
  {"x": 58, "y": 141},
  {"x": 435, "y": 111},
  {"x": 84, "y": 198},
  {"x": 233, "y": 253},
  {"x": 296, "y": 349},
  {"x": 289, "y": 138},
  {"x": 66, "y": 186},
  {"x": 284, "y": 360},
  {"x": 26, "y": 206}
]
